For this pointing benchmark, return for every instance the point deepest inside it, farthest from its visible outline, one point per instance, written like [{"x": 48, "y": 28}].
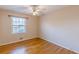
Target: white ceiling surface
[{"x": 27, "y": 9}]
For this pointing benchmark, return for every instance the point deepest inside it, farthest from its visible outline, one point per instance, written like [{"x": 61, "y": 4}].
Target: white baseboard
[
  {"x": 15, "y": 41},
  {"x": 62, "y": 46}
]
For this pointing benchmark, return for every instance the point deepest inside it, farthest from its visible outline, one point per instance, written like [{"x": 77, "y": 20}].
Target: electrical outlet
[{"x": 21, "y": 38}]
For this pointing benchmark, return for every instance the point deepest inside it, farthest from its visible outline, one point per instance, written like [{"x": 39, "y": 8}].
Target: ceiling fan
[{"x": 35, "y": 10}]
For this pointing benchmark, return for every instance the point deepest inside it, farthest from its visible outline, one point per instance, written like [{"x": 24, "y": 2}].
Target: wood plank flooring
[{"x": 34, "y": 46}]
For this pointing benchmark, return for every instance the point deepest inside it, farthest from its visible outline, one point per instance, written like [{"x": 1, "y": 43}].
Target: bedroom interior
[{"x": 39, "y": 29}]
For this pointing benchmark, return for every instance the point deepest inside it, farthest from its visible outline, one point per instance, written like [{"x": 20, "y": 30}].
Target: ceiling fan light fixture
[
  {"x": 35, "y": 13},
  {"x": 35, "y": 10}
]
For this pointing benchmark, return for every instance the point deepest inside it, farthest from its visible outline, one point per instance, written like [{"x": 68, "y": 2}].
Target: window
[{"x": 18, "y": 24}]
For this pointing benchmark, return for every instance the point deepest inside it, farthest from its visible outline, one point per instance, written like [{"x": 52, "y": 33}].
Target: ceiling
[{"x": 27, "y": 9}]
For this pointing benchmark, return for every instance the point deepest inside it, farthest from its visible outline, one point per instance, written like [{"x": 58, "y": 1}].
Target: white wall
[
  {"x": 62, "y": 27},
  {"x": 5, "y": 28}
]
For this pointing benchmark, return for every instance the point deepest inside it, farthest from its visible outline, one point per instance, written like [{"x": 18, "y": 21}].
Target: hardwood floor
[{"x": 33, "y": 46}]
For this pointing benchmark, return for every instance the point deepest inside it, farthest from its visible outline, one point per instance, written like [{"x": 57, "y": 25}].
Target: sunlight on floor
[{"x": 20, "y": 50}]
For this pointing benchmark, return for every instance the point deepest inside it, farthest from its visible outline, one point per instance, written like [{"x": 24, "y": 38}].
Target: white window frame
[{"x": 17, "y": 29}]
